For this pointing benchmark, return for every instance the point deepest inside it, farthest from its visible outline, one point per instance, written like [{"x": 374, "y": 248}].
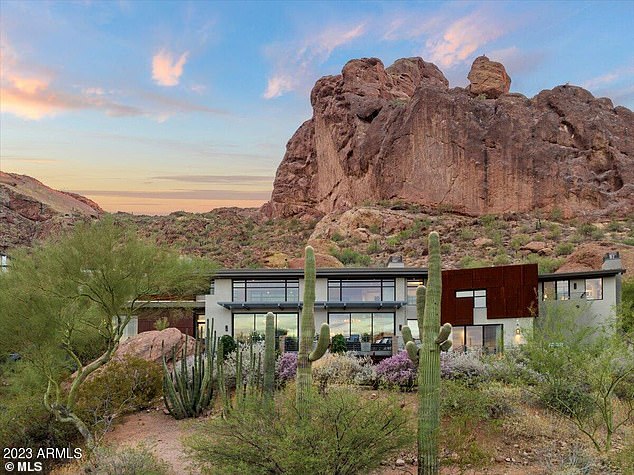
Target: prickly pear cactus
[
  {"x": 427, "y": 357},
  {"x": 305, "y": 356}
]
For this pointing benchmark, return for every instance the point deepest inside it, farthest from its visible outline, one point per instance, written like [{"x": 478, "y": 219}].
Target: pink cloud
[
  {"x": 295, "y": 64},
  {"x": 462, "y": 38},
  {"x": 166, "y": 71}
]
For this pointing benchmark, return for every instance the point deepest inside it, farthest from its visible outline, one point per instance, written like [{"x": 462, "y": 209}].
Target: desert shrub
[
  {"x": 126, "y": 461},
  {"x": 545, "y": 264},
  {"x": 566, "y": 397},
  {"x": 338, "y": 369},
  {"x": 24, "y": 421},
  {"x": 397, "y": 370},
  {"x": 161, "y": 324},
  {"x": 554, "y": 232},
  {"x": 344, "y": 434},
  {"x": 252, "y": 355},
  {"x": 228, "y": 345},
  {"x": 510, "y": 368},
  {"x": 467, "y": 367},
  {"x": 463, "y": 409},
  {"x": 367, "y": 376},
  {"x": 285, "y": 368},
  {"x": 519, "y": 240},
  {"x": 470, "y": 262},
  {"x": 338, "y": 344},
  {"x": 564, "y": 248},
  {"x": 501, "y": 400},
  {"x": 350, "y": 257},
  {"x": 121, "y": 387}
]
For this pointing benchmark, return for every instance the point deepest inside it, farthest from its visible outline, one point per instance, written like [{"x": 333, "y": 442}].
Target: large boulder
[
  {"x": 489, "y": 78},
  {"x": 152, "y": 345}
]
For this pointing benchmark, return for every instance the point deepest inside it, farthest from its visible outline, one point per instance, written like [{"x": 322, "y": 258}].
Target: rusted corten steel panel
[
  {"x": 486, "y": 277},
  {"x": 185, "y": 323},
  {"x": 511, "y": 292}
]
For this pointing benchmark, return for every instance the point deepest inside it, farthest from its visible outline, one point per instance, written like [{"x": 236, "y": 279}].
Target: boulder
[
  {"x": 152, "y": 345},
  {"x": 489, "y": 78}
]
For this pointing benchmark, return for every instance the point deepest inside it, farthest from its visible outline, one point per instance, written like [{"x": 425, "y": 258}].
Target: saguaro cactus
[
  {"x": 428, "y": 359},
  {"x": 269, "y": 358},
  {"x": 305, "y": 356}
]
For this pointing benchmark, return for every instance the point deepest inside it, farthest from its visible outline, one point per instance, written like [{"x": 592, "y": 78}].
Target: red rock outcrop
[
  {"x": 489, "y": 78},
  {"x": 400, "y": 133},
  {"x": 31, "y": 210}
]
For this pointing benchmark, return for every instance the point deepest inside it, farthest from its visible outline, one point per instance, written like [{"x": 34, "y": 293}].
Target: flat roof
[
  {"x": 341, "y": 272},
  {"x": 381, "y": 272},
  {"x": 580, "y": 274}
]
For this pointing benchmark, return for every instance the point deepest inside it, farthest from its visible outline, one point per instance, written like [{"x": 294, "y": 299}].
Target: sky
[{"x": 154, "y": 107}]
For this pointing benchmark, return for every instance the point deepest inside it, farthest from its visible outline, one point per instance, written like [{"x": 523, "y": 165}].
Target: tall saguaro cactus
[
  {"x": 269, "y": 358},
  {"x": 428, "y": 359},
  {"x": 305, "y": 356}
]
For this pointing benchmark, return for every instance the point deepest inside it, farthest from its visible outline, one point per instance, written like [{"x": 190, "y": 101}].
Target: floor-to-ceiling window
[
  {"x": 362, "y": 326},
  {"x": 247, "y": 325}
]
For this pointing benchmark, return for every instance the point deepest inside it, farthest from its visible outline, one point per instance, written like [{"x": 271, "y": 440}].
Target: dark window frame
[
  {"x": 243, "y": 285},
  {"x": 585, "y": 289},
  {"x": 481, "y": 326},
  {"x": 338, "y": 284},
  {"x": 254, "y": 314},
  {"x": 555, "y": 282},
  {"x": 371, "y": 323}
]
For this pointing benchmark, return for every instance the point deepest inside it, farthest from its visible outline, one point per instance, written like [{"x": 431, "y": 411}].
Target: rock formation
[
  {"x": 30, "y": 210},
  {"x": 488, "y": 78},
  {"x": 400, "y": 133}
]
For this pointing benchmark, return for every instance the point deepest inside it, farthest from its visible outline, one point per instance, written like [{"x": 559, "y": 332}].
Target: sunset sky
[{"x": 153, "y": 107}]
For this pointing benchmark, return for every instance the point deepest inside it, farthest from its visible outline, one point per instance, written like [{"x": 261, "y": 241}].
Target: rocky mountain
[
  {"x": 30, "y": 210},
  {"x": 401, "y": 133}
]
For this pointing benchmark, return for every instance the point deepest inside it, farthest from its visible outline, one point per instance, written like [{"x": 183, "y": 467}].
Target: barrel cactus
[
  {"x": 305, "y": 356},
  {"x": 427, "y": 357}
]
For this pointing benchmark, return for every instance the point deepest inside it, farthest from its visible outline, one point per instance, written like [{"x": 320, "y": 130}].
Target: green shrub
[
  {"x": 24, "y": 421},
  {"x": 336, "y": 237},
  {"x": 566, "y": 397},
  {"x": 126, "y": 461},
  {"x": 228, "y": 345},
  {"x": 161, "y": 324},
  {"x": 338, "y": 344},
  {"x": 374, "y": 247},
  {"x": 350, "y": 257},
  {"x": 467, "y": 234},
  {"x": 545, "y": 265},
  {"x": 344, "y": 434},
  {"x": 615, "y": 226},
  {"x": 554, "y": 231},
  {"x": 519, "y": 240},
  {"x": 556, "y": 214},
  {"x": 123, "y": 386},
  {"x": 470, "y": 262},
  {"x": 564, "y": 248}
]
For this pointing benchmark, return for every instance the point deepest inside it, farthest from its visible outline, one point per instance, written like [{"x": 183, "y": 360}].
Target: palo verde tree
[{"x": 92, "y": 280}]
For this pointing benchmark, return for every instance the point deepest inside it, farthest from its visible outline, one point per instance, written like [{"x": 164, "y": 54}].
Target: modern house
[{"x": 489, "y": 308}]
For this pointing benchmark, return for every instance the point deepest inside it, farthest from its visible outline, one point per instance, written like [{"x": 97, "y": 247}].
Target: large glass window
[
  {"x": 375, "y": 290},
  {"x": 594, "y": 289},
  {"x": 556, "y": 290},
  {"x": 413, "y": 326},
  {"x": 412, "y": 285},
  {"x": 362, "y": 326},
  {"x": 270, "y": 290},
  {"x": 486, "y": 338},
  {"x": 246, "y": 325}
]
